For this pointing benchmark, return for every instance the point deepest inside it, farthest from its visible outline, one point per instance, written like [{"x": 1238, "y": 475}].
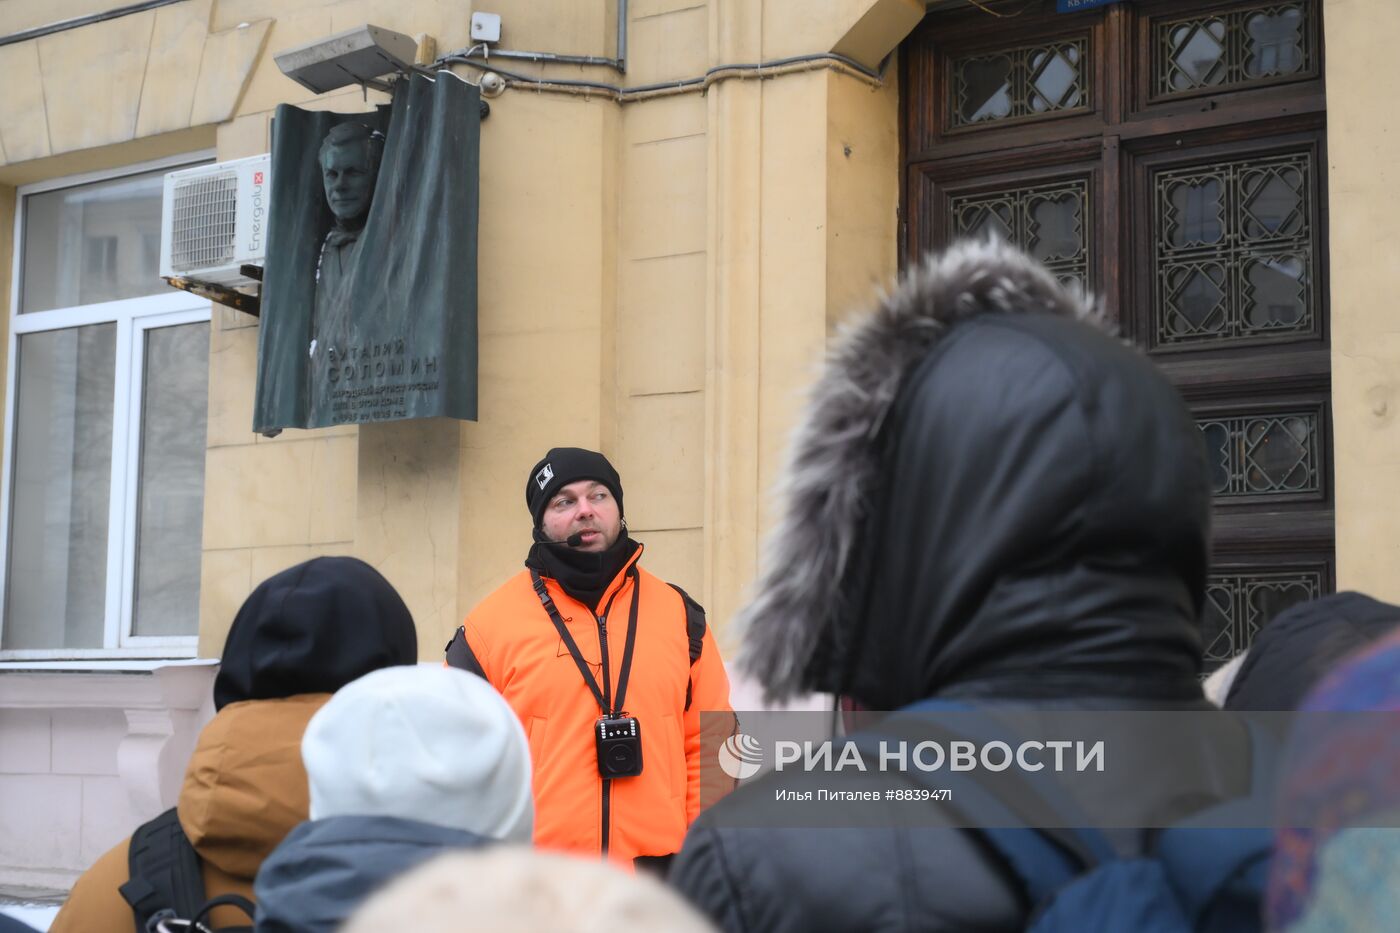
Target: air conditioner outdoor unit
[{"x": 214, "y": 221}]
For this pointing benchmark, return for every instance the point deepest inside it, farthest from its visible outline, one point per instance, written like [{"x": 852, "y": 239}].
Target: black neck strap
[
  {"x": 601, "y": 695},
  {"x": 626, "y": 669}
]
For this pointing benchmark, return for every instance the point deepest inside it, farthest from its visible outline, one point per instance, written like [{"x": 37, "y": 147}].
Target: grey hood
[
  {"x": 326, "y": 868},
  {"x": 987, "y": 494}
]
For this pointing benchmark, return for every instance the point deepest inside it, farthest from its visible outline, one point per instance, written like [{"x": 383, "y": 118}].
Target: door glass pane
[
  {"x": 1055, "y": 83},
  {"x": 1196, "y": 54},
  {"x": 989, "y": 220},
  {"x": 986, "y": 89},
  {"x": 171, "y": 484},
  {"x": 1275, "y": 292},
  {"x": 1219, "y": 456},
  {"x": 1218, "y": 634},
  {"x": 1056, "y": 226},
  {"x": 1278, "y": 454},
  {"x": 1195, "y": 299},
  {"x": 62, "y": 466},
  {"x": 1197, "y": 212},
  {"x": 92, "y": 243},
  {"x": 1273, "y": 201},
  {"x": 1274, "y": 42}
]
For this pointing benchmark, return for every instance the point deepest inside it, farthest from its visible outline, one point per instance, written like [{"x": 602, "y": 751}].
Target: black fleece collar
[{"x": 584, "y": 575}]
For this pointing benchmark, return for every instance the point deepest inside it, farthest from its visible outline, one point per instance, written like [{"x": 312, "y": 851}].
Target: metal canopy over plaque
[
  {"x": 369, "y": 290},
  {"x": 357, "y": 55}
]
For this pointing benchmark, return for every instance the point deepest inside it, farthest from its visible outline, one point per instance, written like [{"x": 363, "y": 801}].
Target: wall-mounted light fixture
[{"x": 357, "y": 56}]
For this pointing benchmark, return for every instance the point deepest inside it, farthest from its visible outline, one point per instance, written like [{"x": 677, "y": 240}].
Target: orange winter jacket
[{"x": 521, "y": 654}]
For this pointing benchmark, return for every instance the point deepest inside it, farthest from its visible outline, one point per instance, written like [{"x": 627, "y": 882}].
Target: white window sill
[
  {"x": 150, "y": 685},
  {"x": 105, "y": 665}
]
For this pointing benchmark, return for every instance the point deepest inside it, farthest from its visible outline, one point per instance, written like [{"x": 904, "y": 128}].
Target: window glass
[
  {"x": 57, "y": 571},
  {"x": 92, "y": 243},
  {"x": 171, "y": 493}
]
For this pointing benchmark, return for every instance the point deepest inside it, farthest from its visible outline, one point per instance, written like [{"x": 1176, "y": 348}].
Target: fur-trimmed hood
[{"x": 987, "y": 495}]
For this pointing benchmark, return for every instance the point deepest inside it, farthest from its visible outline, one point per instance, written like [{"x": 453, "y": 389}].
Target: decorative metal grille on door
[
  {"x": 1221, "y": 50},
  {"x": 1234, "y": 251},
  {"x": 1048, "y": 221},
  {"x": 1020, "y": 83}
]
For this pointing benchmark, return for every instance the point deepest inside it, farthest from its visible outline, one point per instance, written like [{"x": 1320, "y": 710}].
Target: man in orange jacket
[{"x": 607, "y": 666}]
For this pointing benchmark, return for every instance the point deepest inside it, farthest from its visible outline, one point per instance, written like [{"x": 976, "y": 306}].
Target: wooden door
[{"x": 1169, "y": 155}]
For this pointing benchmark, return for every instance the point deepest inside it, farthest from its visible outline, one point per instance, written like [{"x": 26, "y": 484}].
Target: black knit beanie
[{"x": 565, "y": 465}]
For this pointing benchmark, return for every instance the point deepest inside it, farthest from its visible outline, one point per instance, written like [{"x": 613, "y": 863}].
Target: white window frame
[{"x": 133, "y": 318}]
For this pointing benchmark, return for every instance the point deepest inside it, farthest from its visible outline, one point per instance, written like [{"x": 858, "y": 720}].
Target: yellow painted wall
[
  {"x": 1363, "y": 151},
  {"x": 657, "y": 424},
  {"x": 656, "y": 277}
]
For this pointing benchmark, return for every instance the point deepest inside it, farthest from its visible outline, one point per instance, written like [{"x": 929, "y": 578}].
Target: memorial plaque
[{"x": 369, "y": 292}]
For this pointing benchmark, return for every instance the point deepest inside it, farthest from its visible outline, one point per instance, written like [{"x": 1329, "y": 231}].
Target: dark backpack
[
  {"x": 1195, "y": 876},
  {"x": 166, "y": 884},
  {"x": 459, "y": 653}
]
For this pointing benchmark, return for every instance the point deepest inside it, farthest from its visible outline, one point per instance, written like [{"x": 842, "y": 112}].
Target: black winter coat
[{"x": 989, "y": 501}]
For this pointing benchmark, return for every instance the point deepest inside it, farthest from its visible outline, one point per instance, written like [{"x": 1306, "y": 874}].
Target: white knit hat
[{"x": 433, "y": 744}]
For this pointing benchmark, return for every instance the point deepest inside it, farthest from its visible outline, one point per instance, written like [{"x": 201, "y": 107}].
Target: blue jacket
[{"x": 325, "y": 869}]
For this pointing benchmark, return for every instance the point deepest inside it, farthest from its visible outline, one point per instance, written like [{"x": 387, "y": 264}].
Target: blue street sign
[{"x": 1074, "y": 6}]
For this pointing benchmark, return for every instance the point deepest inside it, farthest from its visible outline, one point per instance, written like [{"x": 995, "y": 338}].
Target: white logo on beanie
[{"x": 545, "y": 474}]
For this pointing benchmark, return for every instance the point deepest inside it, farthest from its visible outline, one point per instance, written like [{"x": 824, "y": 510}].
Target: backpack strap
[
  {"x": 461, "y": 656},
  {"x": 1218, "y": 859},
  {"x": 695, "y": 631},
  {"x": 165, "y": 875},
  {"x": 224, "y": 900}
]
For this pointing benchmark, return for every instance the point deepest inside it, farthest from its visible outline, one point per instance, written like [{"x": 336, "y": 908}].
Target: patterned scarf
[{"x": 1334, "y": 862}]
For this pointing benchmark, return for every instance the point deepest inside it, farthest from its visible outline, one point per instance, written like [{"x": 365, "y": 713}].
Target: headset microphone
[{"x": 575, "y": 539}]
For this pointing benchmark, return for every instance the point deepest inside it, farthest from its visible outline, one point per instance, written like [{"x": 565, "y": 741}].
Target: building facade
[{"x": 666, "y": 240}]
